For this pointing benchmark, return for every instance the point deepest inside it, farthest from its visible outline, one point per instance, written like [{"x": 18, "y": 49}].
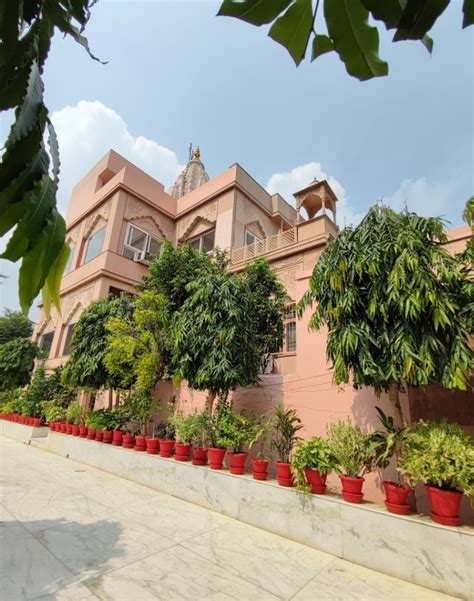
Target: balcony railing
[{"x": 267, "y": 245}]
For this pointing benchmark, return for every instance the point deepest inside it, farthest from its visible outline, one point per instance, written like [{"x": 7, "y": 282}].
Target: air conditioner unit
[{"x": 141, "y": 256}]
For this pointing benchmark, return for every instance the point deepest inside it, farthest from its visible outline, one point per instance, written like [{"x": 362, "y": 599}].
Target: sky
[{"x": 176, "y": 75}]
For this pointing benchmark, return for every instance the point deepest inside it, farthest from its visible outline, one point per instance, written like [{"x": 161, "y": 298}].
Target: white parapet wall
[
  {"x": 20, "y": 432},
  {"x": 411, "y": 548}
]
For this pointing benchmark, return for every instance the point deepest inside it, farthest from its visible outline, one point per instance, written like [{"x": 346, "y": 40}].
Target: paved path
[{"x": 70, "y": 532}]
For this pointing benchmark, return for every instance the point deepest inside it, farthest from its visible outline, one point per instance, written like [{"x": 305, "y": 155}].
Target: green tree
[
  {"x": 344, "y": 26},
  {"x": 398, "y": 308},
  {"x": 17, "y": 360},
  {"x": 14, "y": 324},
  {"x": 85, "y": 367},
  {"x": 218, "y": 340},
  {"x": 137, "y": 349}
]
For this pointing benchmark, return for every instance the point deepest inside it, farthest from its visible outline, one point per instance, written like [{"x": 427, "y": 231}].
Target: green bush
[
  {"x": 53, "y": 410},
  {"x": 262, "y": 436},
  {"x": 353, "y": 450},
  {"x": 440, "y": 455},
  {"x": 75, "y": 414},
  {"x": 98, "y": 420},
  {"x": 284, "y": 437},
  {"x": 314, "y": 453},
  {"x": 234, "y": 430},
  {"x": 185, "y": 426}
]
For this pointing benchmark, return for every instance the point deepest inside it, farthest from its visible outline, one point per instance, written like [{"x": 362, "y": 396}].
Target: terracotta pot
[
  {"x": 260, "y": 469},
  {"x": 63, "y": 427},
  {"x": 153, "y": 446},
  {"x": 37, "y": 422},
  {"x": 68, "y": 428},
  {"x": 117, "y": 438},
  {"x": 75, "y": 430},
  {"x": 99, "y": 436},
  {"x": 284, "y": 476},
  {"x": 166, "y": 447},
  {"x": 237, "y": 463},
  {"x": 52, "y": 426},
  {"x": 396, "y": 498},
  {"x": 108, "y": 437},
  {"x": 140, "y": 443},
  {"x": 199, "y": 456},
  {"x": 90, "y": 434},
  {"x": 128, "y": 441},
  {"x": 445, "y": 505},
  {"x": 316, "y": 480},
  {"x": 352, "y": 489},
  {"x": 182, "y": 451},
  {"x": 216, "y": 458},
  {"x": 82, "y": 431}
]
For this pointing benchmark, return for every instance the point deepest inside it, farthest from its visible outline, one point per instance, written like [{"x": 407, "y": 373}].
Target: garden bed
[{"x": 411, "y": 548}]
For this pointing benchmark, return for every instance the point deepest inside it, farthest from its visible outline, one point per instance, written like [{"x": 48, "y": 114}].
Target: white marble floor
[{"x": 69, "y": 532}]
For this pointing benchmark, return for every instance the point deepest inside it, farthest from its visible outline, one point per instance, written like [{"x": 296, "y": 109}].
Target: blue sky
[{"x": 177, "y": 74}]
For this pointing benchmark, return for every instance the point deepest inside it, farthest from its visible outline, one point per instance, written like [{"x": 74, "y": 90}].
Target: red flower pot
[
  {"x": 396, "y": 498},
  {"x": 166, "y": 447},
  {"x": 237, "y": 463},
  {"x": 352, "y": 489},
  {"x": 52, "y": 426},
  {"x": 82, "y": 431},
  {"x": 75, "y": 431},
  {"x": 182, "y": 451},
  {"x": 284, "y": 476},
  {"x": 140, "y": 443},
  {"x": 316, "y": 480},
  {"x": 260, "y": 469},
  {"x": 216, "y": 458},
  {"x": 128, "y": 441},
  {"x": 99, "y": 436},
  {"x": 90, "y": 434},
  {"x": 62, "y": 428},
  {"x": 37, "y": 422},
  {"x": 153, "y": 446},
  {"x": 199, "y": 456},
  {"x": 117, "y": 438},
  {"x": 108, "y": 437},
  {"x": 445, "y": 505},
  {"x": 68, "y": 428}
]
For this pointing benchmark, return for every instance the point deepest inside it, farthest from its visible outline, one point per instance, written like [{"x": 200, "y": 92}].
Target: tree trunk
[
  {"x": 394, "y": 396},
  {"x": 211, "y": 396}
]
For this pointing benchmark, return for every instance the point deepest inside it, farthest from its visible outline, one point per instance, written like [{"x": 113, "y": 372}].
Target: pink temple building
[{"x": 118, "y": 217}]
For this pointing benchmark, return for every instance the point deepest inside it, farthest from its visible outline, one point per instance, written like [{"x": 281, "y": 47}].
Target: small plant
[
  {"x": 284, "y": 437},
  {"x": 200, "y": 437},
  {"x": 165, "y": 430},
  {"x": 54, "y": 411},
  {"x": 233, "y": 430},
  {"x": 440, "y": 455},
  {"x": 314, "y": 453},
  {"x": 139, "y": 407},
  {"x": 262, "y": 437},
  {"x": 353, "y": 450},
  {"x": 99, "y": 420},
  {"x": 185, "y": 427},
  {"x": 389, "y": 443},
  {"x": 75, "y": 414}
]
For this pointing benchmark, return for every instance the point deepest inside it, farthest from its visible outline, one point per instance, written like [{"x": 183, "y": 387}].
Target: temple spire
[{"x": 193, "y": 175}]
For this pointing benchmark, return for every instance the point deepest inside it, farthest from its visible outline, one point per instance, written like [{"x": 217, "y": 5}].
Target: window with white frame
[
  {"x": 203, "y": 242},
  {"x": 289, "y": 323},
  {"x": 45, "y": 342},
  {"x": 94, "y": 245},
  {"x": 250, "y": 238},
  {"x": 139, "y": 243}
]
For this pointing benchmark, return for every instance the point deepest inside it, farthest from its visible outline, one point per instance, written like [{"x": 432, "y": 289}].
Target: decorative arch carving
[
  {"x": 141, "y": 221},
  {"x": 258, "y": 227},
  {"x": 72, "y": 311},
  {"x": 93, "y": 225},
  {"x": 198, "y": 220}
]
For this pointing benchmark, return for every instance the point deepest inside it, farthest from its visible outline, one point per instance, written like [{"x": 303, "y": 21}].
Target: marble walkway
[{"x": 72, "y": 533}]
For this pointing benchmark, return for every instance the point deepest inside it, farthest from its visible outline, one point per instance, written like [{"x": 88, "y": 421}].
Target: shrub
[
  {"x": 53, "y": 410},
  {"x": 262, "y": 437},
  {"x": 440, "y": 455},
  {"x": 389, "y": 442},
  {"x": 235, "y": 430},
  {"x": 314, "y": 453},
  {"x": 284, "y": 437},
  {"x": 17, "y": 359},
  {"x": 75, "y": 414},
  {"x": 185, "y": 427},
  {"x": 353, "y": 450},
  {"x": 98, "y": 420}
]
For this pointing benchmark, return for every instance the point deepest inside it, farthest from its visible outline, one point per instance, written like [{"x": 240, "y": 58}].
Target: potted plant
[
  {"x": 441, "y": 456},
  {"x": 389, "y": 443},
  {"x": 54, "y": 413},
  {"x": 75, "y": 417},
  {"x": 286, "y": 425},
  {"x": 237, "y": 430},
  {"x": 216, "y": 434},
  {"x": 119, "y": 417},
  {"x": 261, "y": 439},
  {"x": 185, "y": 429},
  {"x": 200, "y": 439},
  {"x": 139, "y": 406},
  {"x": 163, "y": 438},
  {"x": 353, "y": 451},
  {"x": 311, "y": 462}
]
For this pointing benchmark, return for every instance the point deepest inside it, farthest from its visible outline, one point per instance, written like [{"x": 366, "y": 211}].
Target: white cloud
[
  {"x": 286, "y": 183},
  {"x": 88, "y": 130}
]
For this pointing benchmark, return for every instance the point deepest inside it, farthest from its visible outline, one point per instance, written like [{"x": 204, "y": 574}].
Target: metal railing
[{"x": 262, "y": 247}]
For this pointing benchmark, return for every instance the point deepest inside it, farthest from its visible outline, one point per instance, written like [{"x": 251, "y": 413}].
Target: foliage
[
  {"x": 75, "y": 414},
  {"x": 45, "y": 386},
  {"x": 287, "y": 424},
  {"x": 235, "y": 430},
  {"x": 11, "y": 400},
  {"x": 85, "y": 367},
  {"x": 346, "y": 22},
  {"x": 108, "y": 419},
  {"x": 165, "y": 428},
  {"x": 352, "y": 449},
  {"x": 140, "y": 407},
  {"x": 262, "y": 436},
  {"x": 186, "y": 426},
  {"x": 440, "y": 455},
  {"x": 397, "y": 306},
  {"x": 200, "y": 435},
  {"x": 53, "y": 410},
  {"x": 138, "y": 342},
  {"x": 14, "y": 324},
  {"x": 98, "y": 420},
  {"x": 225, "y": 327},
  {"x": 17, "y": 359},
  {"x": 28, "y": 177},
  {"x": 314, "y": 453},
  {"x": 172, "y": 271},
  {"x": 389, "y": 442}
]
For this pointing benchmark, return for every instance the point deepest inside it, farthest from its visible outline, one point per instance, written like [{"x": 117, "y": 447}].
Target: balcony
[{"x": 265, "y": 246}]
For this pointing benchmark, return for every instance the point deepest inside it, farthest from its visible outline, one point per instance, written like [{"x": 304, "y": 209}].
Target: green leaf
[
  {"x": 293, "y": 29},
  {"x": 256, "y": 12},
  {"x": 468, "y": 12},
  {"x": 53, "y": 281},
  {"x": 54, "y": 151},
  {"x": 30, "y": 108},
  {"x": 30, "y": 280},
  {"x": 418, "y": 18},
  {"x": 388, "y": 11},
  {"x": 356, "y": 42},
  {"x": 321, "y": 45}
]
